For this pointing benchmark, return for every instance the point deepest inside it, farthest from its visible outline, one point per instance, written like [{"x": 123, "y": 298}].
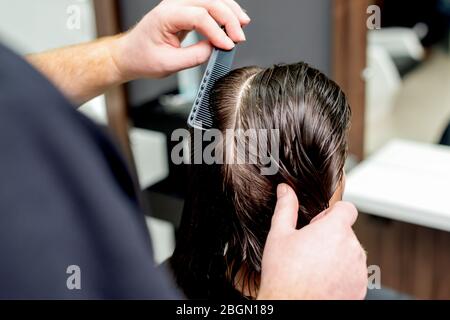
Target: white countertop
[{"x": 406, "y": 181}]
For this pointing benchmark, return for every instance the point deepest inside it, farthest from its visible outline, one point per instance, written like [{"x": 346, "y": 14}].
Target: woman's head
[{"x": 310, "y": 116}]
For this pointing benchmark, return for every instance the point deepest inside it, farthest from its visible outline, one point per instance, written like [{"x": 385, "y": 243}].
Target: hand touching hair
[{"x": 227, "y": 218}]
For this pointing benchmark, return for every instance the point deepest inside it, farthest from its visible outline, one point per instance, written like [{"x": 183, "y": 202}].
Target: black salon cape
[{"x": 66, "y": 199}]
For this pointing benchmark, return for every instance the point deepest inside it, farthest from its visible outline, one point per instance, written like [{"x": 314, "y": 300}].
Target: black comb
[{"x": 219, "y": 65}]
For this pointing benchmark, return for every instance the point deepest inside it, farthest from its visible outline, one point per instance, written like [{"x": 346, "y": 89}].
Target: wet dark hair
[{"x": 228, "y": 211}]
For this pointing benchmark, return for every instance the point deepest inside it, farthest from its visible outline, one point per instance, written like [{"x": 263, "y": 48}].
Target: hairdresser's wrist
[{"x": 121, "y": 66}]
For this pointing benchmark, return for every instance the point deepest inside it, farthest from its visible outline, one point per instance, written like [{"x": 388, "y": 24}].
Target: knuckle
[
  {"x": 233, "y": 5},
  {"x": 282, "y": 206},
  {"x": 233, "y": 23},
  {"x": 344, "y": 231},
  {"x": 220, "y": 6},
  {"x": 216, "y": 5},
  {"x": 281, "y": 203},
  {"x": 198, "y": 59},
  {"x": 224, "y": 11},
  {"x": 344, "y": 228},
  {"x": 201, "y": 13},
  {"x": 277, "y": 213},
  {"x": 348, "y": 206},
  {"x": 164, "y": 68}
]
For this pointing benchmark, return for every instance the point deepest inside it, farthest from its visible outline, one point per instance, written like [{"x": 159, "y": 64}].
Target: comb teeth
[{"x": 201, "y": 116}]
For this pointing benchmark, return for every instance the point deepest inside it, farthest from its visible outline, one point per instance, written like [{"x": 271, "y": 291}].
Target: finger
[
  {"x": 286, "y": 211},
  {"x": 224, "y": 16},
  {"x": 342, "y": 212},
  {"x": 196, "y": 18},
  {"x": 244, "y": 19},
  {"x": 319, "y": 216},
  {"x": 188, "y": 57}
]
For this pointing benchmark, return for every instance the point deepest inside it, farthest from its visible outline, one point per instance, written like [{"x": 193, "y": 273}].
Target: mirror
[{"x": 408, "y": 74}]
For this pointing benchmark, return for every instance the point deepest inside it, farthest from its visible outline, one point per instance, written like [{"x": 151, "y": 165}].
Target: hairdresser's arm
[
  {"x": 152, "y": 49},
  {"x": 321, "y": 261}
]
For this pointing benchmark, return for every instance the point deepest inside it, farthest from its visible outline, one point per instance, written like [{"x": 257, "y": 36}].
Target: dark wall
[{"x": 281, "y": 31}]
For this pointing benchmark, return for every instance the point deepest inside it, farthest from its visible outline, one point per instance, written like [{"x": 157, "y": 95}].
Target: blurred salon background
[{"x": 391, "y": 57}]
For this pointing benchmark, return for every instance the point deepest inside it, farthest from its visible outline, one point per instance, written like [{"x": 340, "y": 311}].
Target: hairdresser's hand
[
  {"x": 324, "y": 260},
  {"x": 152, "y": 48}
]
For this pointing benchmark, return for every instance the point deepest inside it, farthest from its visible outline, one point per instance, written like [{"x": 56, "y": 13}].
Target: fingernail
[
  {"x": 242, "y": 35},
  {"x": 246, "y": 16},
  {"x": 230, "y": 43},
  {"x": 282, "y": 190}
]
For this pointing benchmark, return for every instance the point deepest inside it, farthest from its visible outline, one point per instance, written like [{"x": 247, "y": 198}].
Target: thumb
[
  {"x": 344, "y": 213},
  {"x": 285, "y": 217},
  {"x": 192, "y": 56}
]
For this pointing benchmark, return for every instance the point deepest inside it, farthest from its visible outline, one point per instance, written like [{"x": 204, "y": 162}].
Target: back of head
[{"x": 227, "y": 218}]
